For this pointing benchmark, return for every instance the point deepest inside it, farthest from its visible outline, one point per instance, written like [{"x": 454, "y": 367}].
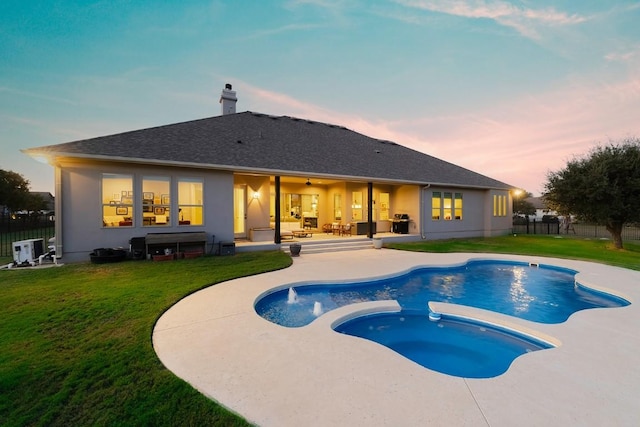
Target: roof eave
[{"x": 52, "y": 156}]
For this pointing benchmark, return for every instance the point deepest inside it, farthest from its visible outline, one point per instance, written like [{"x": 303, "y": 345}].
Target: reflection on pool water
[
  {"x": 544, "y": 294},
  {"x": 454, "y": 346}
]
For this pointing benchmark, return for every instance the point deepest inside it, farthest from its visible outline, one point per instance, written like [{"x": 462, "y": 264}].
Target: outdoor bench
[{"x": 193, "y": 241}]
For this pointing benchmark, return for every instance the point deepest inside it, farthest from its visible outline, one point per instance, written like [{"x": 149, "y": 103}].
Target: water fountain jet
[
  {"x": 292, "y": 298},
  {"x": 317, "y": 308}
]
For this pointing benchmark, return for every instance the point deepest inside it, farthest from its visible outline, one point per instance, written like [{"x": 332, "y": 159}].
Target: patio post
[
  {"x": 370, "y": 210},
  {"x": 276, "y": 236}
]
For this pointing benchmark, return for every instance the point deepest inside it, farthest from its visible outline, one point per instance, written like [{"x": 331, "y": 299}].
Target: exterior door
[{"x": 240, "y": 211}]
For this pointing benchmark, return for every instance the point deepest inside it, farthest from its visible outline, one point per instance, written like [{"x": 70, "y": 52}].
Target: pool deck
[{"x": 313, "y": 376}]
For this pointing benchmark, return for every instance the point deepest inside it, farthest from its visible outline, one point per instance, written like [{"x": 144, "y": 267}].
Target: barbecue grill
[{"x": 400, "y": 224}]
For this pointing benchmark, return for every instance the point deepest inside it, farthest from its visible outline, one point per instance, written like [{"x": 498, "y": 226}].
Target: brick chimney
[{"x": 228, "y": 100}]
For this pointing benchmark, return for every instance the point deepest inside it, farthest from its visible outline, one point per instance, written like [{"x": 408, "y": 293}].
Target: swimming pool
[
  {"x": 452, "y": 345},
  {"x": 540, "y": 293},
  {"x": 457, "y": 347}
]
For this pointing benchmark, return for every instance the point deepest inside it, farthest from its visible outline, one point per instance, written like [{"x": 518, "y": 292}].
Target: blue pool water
[
  {"x": 455, "y": 347},
  {"x": 543, "y": 294},
  {"x": 459, "y": 347}
]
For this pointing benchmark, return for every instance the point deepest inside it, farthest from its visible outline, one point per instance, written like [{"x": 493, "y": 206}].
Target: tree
[
  {"x": 34, "y": 203},
  {"x": 14, "y": 190},
  {"x": 601, "y": 187},
  {"x": 521, "y": 205}
]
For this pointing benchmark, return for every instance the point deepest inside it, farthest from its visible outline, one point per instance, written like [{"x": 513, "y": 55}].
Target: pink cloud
[{"x": 516, "y": 142}]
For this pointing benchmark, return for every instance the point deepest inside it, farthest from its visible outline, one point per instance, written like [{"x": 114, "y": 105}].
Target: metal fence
[
  {"x": 578, "y": 229},
  {"x": 17, "y": 227}
]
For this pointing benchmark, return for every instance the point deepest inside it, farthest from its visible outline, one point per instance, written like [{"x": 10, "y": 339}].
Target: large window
[
  {"x": 296, "y": 207},
  {"x": 190, "y": 203},
  {"x": 156, "y": 201},
  {"x": 117, "y": 200},
  {"x": 447, "y": 206}
]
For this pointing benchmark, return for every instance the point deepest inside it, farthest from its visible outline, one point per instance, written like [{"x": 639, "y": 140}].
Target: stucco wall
[
  {"x": 499, "y": 225},
  {"x": 81, "y": 205},
  {"x": 257, "y": 207},
  {"x": 477, "y": 215},
  {"x": 405, "y": 199}
]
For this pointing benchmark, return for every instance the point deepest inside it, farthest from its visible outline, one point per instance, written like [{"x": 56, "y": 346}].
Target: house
[
  {"x": 237, "y": 173},
  {"x": 541, "y": 207},
  {"x": 48, "y": 199}
]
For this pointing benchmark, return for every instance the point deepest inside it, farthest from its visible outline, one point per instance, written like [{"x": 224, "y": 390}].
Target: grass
[
  {"x": 75, "y": 342},
  {"x": 579, "y": 248}
]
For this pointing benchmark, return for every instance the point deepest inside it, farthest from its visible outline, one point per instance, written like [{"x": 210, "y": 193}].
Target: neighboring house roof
[
  {"x": 275, "y": 145},
  {"x": 537, "y": 202},
  {"x": 47, "y": 197}
]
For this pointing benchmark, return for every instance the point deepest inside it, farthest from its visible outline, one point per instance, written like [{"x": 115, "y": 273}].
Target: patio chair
[
  {"x": 335, "y": 228},
  {"x": 345, "y": 230}
]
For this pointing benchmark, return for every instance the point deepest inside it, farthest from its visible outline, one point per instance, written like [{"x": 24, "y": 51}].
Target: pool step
[{"x": 315, "y": 247}]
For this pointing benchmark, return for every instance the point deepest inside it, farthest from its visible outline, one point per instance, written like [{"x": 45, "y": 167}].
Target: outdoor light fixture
[
  {"x": 308, "y": 182},
  {"x": 256, "y": 195}
]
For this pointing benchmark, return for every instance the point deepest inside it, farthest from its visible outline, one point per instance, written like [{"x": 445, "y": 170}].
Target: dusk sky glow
[{"x": 509, "y": 89}]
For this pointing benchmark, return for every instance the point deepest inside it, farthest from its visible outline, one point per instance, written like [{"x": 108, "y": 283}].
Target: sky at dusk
[{"x": 509, "y": 89}]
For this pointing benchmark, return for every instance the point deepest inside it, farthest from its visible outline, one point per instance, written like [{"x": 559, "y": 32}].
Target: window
[
  {"x": 157, "y": 201},
  {"x": 356, "y": 206},
  {"x": 436, "y": 205},
  {"x": 337, "y": 207},
  {"x": 156, "y": 198},
  {"x": 457, "y": 207},
  {"x": 499, "y": 205},
  {"x": 190, "y": 201},
  {"x": 117, "y": 200},
  {"x": 447, "y": 206},
  {"x": 384, "y": 206}
]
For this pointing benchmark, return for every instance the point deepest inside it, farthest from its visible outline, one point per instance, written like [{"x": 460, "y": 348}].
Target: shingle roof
[{"x": 281, "y": 145}]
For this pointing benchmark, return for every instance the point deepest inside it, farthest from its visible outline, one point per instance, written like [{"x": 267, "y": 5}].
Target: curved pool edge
[
  {"x": 524, "y": 261},
  {"x": 589, "y": 281},
  {"x": 407, "y": 270},
  {"x": 333, "y": 319},
  {"x": 272, "y": 375},
  {"x": 520, "y": 326}
]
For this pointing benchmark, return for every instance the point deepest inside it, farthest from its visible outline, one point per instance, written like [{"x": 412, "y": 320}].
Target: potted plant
[{"x": 294, "y": 248}]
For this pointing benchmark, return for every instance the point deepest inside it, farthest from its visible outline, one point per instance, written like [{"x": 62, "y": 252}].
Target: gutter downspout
[
  {"x": 57, "y": 208},
  {"x": 422, "y": 210}
]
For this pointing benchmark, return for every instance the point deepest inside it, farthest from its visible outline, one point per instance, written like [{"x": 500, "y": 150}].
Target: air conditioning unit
[{"x": 27, "y": 251}]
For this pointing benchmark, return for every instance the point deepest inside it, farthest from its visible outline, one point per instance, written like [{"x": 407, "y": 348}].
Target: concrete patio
[{"x": 313, "y": 376}]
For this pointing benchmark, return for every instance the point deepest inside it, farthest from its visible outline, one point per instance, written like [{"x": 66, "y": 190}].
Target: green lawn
[
  {"x": 581, "y": 248},
  {"x": 75, "y": 342}
]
